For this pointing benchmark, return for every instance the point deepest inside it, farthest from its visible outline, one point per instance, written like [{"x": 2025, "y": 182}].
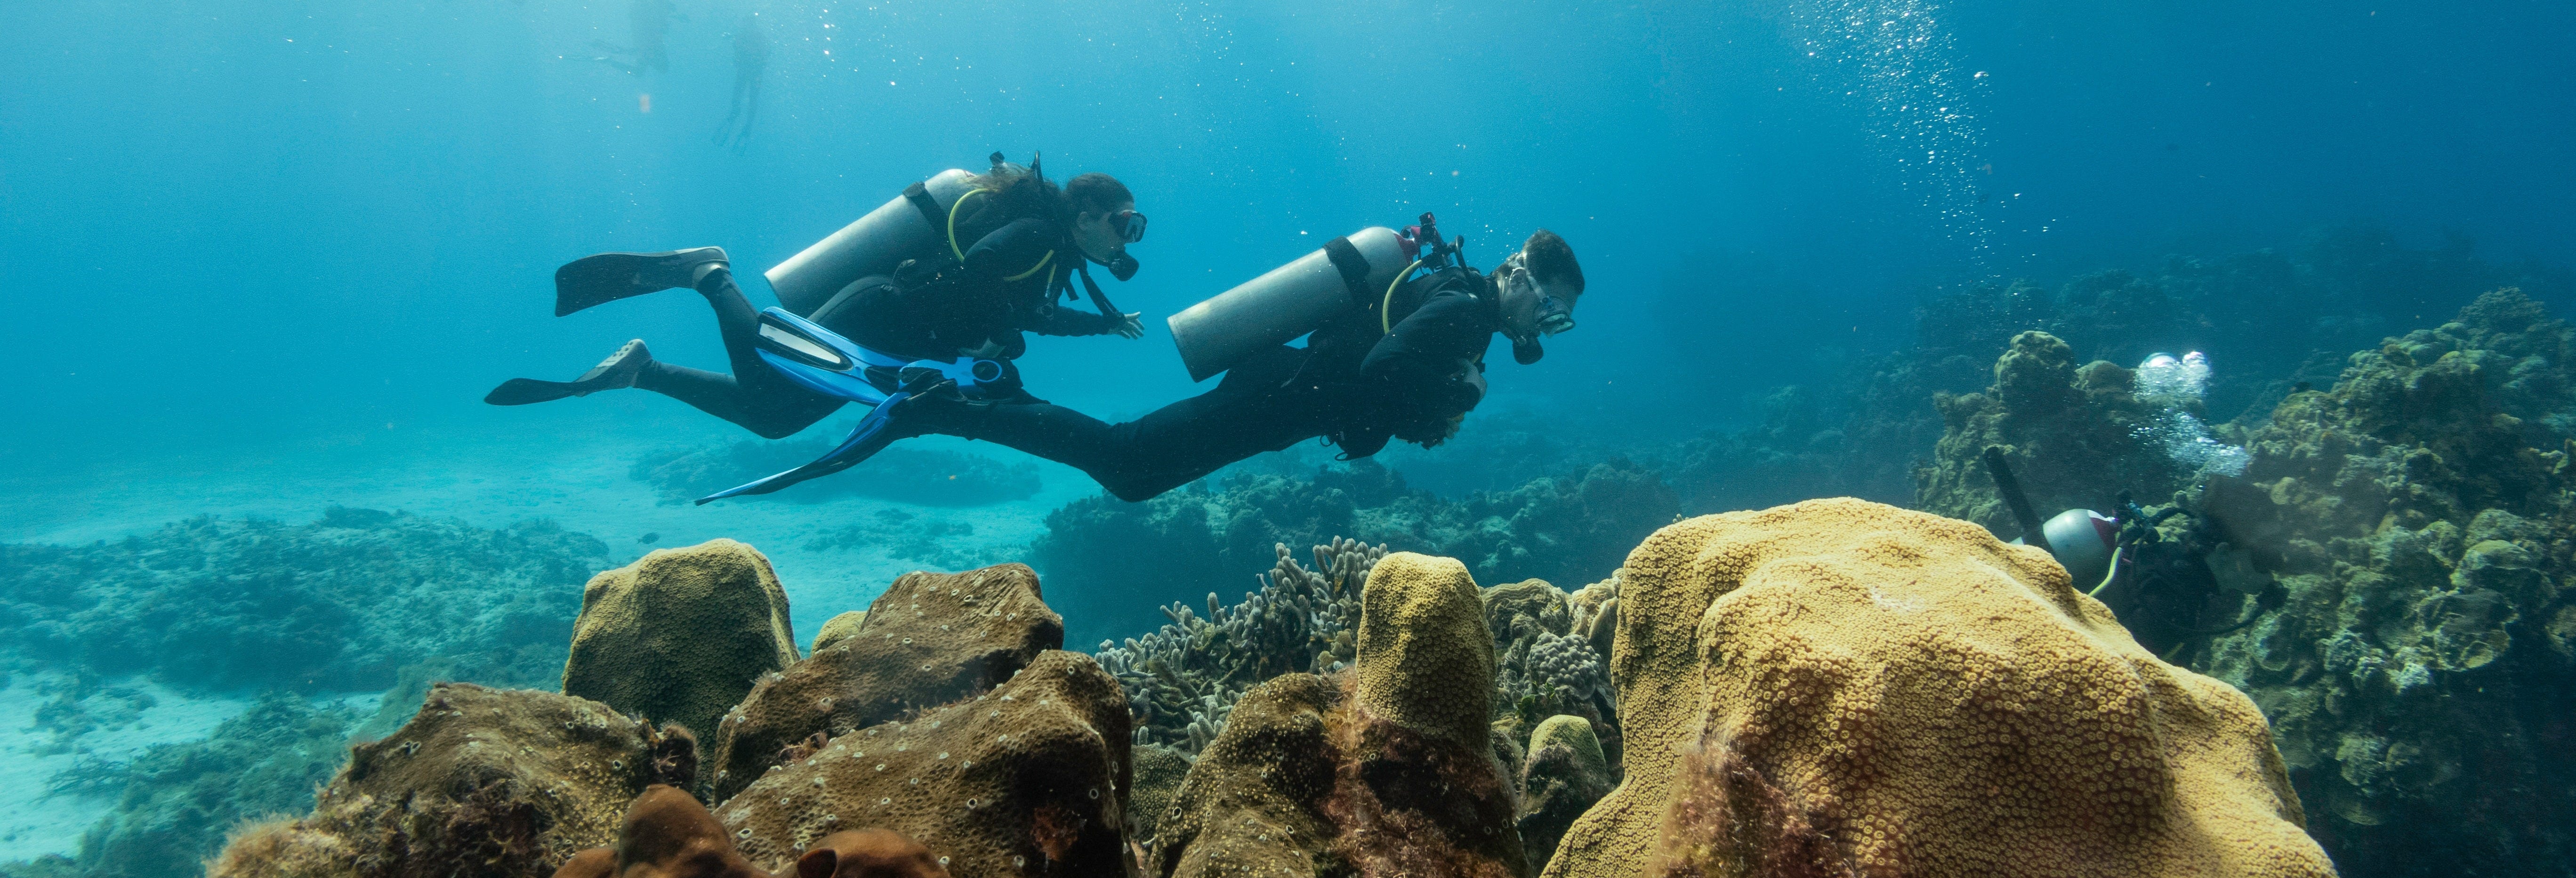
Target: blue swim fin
[{"x": 872, "y": 435}]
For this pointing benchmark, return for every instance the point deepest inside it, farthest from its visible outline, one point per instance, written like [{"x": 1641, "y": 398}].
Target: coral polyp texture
[
  {"x": 1029, "y": 778},
  {"x": 1839, "y": 687},
  {"x": 665, "y": 834},
  {"x": 930, "y": 639},
  {"x": 1384, "y": 769},
  {"x": 679, "y": 635},
  {"x": 482, "y": 782}
]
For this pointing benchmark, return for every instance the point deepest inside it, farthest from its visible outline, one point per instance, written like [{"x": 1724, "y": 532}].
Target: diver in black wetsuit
[
  {"x": 750, "y": 58},
  {"x": 1410, "y": 373},
  {"x": 1029, "y": 239}
]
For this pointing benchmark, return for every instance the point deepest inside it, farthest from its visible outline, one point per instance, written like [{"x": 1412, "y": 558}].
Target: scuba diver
[
  {"x": 952, "y": 271},
  {"x": 2156, "y": 569},
  {"x": 750, "y": 58},
  {"x": 648, "y": 21},
  {"x": 1391, "y": 356}
]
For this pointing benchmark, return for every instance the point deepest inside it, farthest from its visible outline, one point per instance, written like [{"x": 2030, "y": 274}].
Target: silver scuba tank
[
  {"x": 871, "y": 245},
  {"x": 1347, "y": 273}
]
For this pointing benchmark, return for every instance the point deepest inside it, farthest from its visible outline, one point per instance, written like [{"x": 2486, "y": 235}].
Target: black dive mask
[{"x": 1122, "y": 266}]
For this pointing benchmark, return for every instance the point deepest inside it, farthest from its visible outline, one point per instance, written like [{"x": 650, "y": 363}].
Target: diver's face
[
  {"x": 1098, "y": 237},
  {"x": 1531, "y": 308}
]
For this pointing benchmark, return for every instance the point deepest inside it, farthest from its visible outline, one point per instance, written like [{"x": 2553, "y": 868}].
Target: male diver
[
  {"x": 1408, "y": 366},
  {"x": 1001, "y": 247}
]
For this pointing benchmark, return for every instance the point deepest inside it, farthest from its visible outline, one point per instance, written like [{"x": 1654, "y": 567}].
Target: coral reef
[
  {"x": 1840, "y": 687},
  {"x": 1544, "y": 661},
  {"x": 1565, "y": 773},
  {"x": 1254, "y": 803},
  {"x": 679, "y": 635},
  {"x": 175, "y": 801},
  {"x": 920, "y": 476},
  {"x": 1159, "y": 772},
  {"x": 483, "y": 782},
  {"x": 868, "y": 853},
  {"x": 338, "y": 604},
  {"x": 1030, "y": 777},
  {"x": 930, "y": 639},
  {"x": 1185, "y": 677},
  {"x": 1572, "y": 528},
  {"x": 1390, "y": 773},
  {"x": 2421, "y": 675},
  {"x": 938, "y": 542}
]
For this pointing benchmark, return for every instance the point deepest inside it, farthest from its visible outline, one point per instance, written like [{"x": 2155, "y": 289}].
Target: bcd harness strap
[{"x": 1354, "y": 269}]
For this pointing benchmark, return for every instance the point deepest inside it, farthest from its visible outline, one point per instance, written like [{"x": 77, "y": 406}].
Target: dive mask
[
  {"x": 1554, "y": 316},
  {"x": 1129, "y": 225}
]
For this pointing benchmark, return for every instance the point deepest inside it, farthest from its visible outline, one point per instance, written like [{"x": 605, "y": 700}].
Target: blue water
[
  {"x": 235, "y": 224},
  {"x": 260, "y": 257}
]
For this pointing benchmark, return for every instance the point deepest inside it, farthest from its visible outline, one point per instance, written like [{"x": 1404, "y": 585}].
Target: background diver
[
  {"x": 750, "y": 59},
  {"x": 648, "y": 22},
  {"x": 1408, "y": 366},
  {"x": 1029, "y": 238}
]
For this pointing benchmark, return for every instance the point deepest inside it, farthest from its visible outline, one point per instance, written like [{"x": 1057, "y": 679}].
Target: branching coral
[{"x": 1183, "y": 680}]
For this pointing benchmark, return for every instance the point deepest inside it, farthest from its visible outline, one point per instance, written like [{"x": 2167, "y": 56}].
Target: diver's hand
[{"x": 1129, "y": 325}]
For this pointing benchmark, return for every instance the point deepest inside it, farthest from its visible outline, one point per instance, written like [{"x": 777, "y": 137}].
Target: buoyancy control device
[{"x": 1355, "y": 271}]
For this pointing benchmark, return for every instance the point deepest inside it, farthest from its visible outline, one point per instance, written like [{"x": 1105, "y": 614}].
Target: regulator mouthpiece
[
  {"x": 1122, "y": 266},
  {"x": 1527, "y": 350}
]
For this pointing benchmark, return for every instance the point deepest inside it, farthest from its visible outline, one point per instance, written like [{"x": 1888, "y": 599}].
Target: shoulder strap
[
  {"x": 919, "y": 195},
  {"x": 1354, "y": 269}
]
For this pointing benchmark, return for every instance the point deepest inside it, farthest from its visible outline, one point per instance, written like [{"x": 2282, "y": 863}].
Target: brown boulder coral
[
  {"x": 1839, "y": 687},
  {"x": 680, "y": 634},
  {"x": 1386, "y": 770},
  {"x": 1030, "y": 778},
  {"x": 1255, "y": 800},
  {"x": 1566, "y": 772},
  {"x": 930, "y": 639},
  {"x": 482, "y": 782}
]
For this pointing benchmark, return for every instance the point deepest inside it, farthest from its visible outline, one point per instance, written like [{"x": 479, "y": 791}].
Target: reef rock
[
  {"x": 2421, "y": 676},
  {"x": 483, "y": 782},
  {"x": 1839, "y": 687},
  {"x": 679, "y": 635},
  {"x": 930, "y": 639},
  {"x": 1029, "y": 778}
]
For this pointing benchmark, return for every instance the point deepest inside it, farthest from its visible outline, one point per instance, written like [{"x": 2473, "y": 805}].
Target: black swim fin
[
  {"x": 608, "y": 277},
  {"x": 616, "y": 372}
]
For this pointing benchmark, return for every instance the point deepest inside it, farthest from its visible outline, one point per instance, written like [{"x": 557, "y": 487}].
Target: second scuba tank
[
  {"x": 1291, "y": 300},
  {"x": 871, "y": 245}
]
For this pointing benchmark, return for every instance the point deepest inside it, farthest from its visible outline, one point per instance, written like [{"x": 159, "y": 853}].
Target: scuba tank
[
  {"x": 871, "y": 245},
  {"x": 1349, "y": 272}
]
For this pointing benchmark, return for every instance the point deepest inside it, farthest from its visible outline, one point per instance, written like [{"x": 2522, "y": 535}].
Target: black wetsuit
[
  {"x": 1007, "y": 284},
  {"x": 1351, "y": 384}
]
